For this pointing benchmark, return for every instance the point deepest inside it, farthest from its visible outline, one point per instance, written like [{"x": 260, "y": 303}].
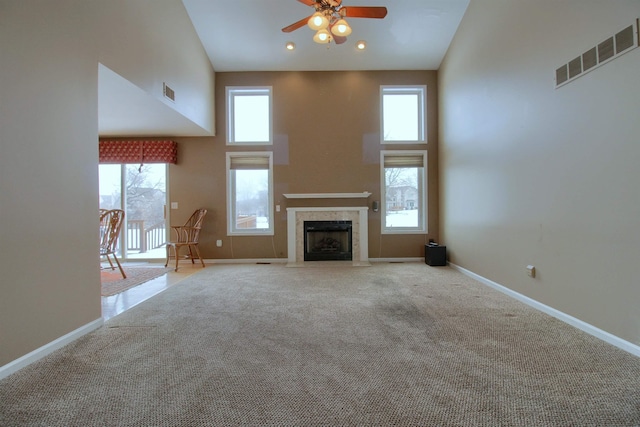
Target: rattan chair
[
  {"x": 187, "y": 235},
  {"x": 110, "y": 225}
]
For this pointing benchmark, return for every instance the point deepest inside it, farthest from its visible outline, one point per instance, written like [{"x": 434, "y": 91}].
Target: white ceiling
[{"x": 245, "y": 35}]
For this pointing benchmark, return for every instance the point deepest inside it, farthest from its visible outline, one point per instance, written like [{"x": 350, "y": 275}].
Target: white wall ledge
[{"x": 362, "y": 195}]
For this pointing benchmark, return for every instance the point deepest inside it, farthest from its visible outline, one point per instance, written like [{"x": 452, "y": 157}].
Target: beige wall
[
  {"x": 535, "y": 175},
  {"x": 48, "y": 168},
  {"x": 48, "y": 175},
  {"x": 326, "y": 140}
]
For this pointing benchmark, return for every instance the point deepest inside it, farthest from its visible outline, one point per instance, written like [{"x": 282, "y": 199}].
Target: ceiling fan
[{"x": 329, "y": 19}]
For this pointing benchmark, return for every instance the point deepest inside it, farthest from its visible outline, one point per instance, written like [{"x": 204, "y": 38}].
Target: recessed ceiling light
[
  {"x": 290, "y": 45},
  {"x": 361, "y": 45}
]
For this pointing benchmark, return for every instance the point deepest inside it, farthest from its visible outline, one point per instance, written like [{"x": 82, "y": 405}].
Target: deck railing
[
  {"x": 143, "y": 239},
  {"x": 246, "y": 221}
]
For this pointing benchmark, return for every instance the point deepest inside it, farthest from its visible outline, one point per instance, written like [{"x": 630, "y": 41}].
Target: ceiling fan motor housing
[
  {"x": 329, "y": 3},
  {"x": 327, "y": 6}
]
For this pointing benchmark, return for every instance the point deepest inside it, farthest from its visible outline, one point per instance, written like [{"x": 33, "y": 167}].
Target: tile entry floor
[{"x": 116, "y": 304}]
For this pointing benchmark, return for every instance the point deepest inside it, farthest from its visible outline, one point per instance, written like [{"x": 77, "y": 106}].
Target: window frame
[
  {"x": 423, "y": 215},
  {"x": 421, "y": 91},
  {"x": 231, "y": 199},
  {"x": 231, "y": 93}
]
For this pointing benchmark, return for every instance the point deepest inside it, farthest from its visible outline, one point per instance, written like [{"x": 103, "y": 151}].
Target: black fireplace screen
[{"x": 327, "y": 241}]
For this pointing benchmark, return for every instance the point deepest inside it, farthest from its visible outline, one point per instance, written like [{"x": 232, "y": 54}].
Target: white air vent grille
[
  {"x": 589, "y": 59},
  {"x": 562, "y": 75},
  {"x": 624, "y": 39},
  {"x": 605, "y": 51},
  {"x": 168, "y": 92},
  {"x": 575, "y": 67}
]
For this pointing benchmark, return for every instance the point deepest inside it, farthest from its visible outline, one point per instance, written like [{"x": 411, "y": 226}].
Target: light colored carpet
[
  {"x": 113, "y": 283},
  {"x": 387, "y": 345}
]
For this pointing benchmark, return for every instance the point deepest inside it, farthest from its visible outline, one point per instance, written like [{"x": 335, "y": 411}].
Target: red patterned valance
[{"x": 139, "y": 152}]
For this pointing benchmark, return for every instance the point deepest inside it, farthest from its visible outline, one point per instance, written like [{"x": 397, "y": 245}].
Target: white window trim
[
  {"x": 424, "y": 218},
  {"x": 231, "y": 231},
  {"x": 420, "y": 90},
  {"x": 231, "y": 91}
]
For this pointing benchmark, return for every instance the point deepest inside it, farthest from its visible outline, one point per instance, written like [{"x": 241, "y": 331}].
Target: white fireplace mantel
[
  {"x": 295, "y": 231},
  {"x": 362, "y": 195}
]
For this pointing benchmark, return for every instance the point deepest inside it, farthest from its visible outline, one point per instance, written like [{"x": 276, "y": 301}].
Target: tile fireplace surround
[{"x": 295, "y": 233}]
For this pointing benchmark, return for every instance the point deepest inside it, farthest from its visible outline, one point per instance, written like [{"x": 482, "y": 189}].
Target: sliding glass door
[{"x": 143, "y": 194}]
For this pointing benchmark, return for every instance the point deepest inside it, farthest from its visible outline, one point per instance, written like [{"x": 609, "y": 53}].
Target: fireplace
[
  {"x": 357, "y": 216},
  {"x": 328, "y": 241}
]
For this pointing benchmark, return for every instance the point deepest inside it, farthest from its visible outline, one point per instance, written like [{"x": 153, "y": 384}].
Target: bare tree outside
[
  {"x": 145, "y": 190},
  {"x": 146, "y": 194},
  {"x": 252, "y": 195},
  {"x": 401, "y": 183},
  {"x": 402, "y": 197}
]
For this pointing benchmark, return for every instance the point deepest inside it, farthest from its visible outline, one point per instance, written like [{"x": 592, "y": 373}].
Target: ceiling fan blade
[
  {"x": 296, "y": 25},
  {"x": 363, "y": 12},
  {"x": 308, "y": 2}
]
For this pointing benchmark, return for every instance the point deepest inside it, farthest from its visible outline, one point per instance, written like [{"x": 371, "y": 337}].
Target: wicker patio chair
[
  {"x": 187, "y": 235},
  {"x": 110, "y": 225}
]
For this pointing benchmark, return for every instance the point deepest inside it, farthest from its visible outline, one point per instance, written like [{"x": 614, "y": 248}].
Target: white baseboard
[
  {"x": 285, "y": 260},
  {"x": 396, "y": 260},
  {"x": 46, "y": 349},
  {"x": 246, "y": 261},
  {"x": 577, "y": 323}
]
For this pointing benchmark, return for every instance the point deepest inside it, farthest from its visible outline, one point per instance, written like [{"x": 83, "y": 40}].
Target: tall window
[
  {"x": 404, "y": 183},
  {"x": 250, "y": 193},
  {"x": 403, "y": 114},
  {"x": 249, "y": 116}
]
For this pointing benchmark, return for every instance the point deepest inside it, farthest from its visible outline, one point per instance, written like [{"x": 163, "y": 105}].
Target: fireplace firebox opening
[{"x": 328, "y": 241}]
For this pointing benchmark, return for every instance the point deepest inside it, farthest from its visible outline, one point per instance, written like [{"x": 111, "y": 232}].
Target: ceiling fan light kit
[
  {"x": 322, "y": 36},
  {"x": 341, "y": 28},
  {"x": 330, "y": 14},
  {"x": 318, "y": 21}
]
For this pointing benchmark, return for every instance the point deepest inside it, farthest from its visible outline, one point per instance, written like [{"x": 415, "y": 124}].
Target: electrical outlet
[
  {"x": 219, "y": 243},
  {"x": 531, "y": 271}
]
